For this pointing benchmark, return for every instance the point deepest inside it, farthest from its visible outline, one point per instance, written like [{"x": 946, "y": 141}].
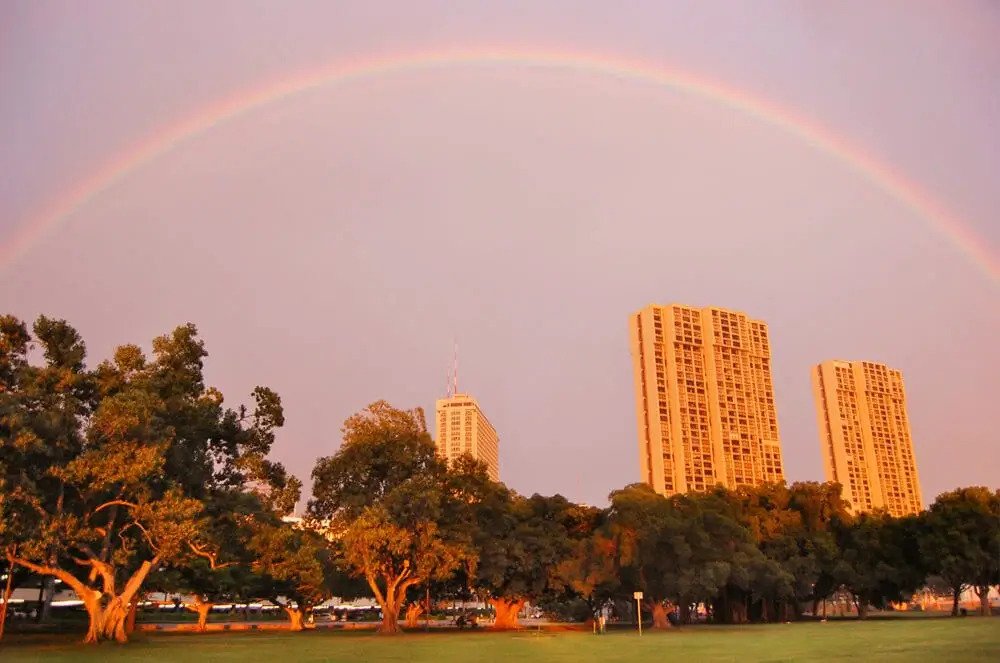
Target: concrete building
[
  {"x": 864, "y": 435},
  {"x": 704, "y": 399},
  {"x": 462, "y": 428}
]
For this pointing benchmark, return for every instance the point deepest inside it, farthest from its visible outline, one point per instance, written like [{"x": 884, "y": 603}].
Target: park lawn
[{"x": 929, "y": 639}]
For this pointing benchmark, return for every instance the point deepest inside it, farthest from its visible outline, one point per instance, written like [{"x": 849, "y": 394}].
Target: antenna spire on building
[{"x": 452, "y": 382}]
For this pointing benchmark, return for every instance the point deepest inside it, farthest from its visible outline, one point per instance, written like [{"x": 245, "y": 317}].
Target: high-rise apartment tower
[
  {"x": 462, "y": 428},
  {"x": 704, "y": 399},
  {"x": 865, "y": 435}
]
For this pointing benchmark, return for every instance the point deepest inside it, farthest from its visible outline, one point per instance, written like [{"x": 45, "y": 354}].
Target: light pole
[{"x": 638, "y": 609}]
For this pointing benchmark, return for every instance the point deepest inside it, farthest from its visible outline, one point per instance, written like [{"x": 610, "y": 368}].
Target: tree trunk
[
  {"x": 113, "y": 621},
  {"x": 295, "y": 616},
  {"x": 730, "y": 607},
  {"x": 201, "y": 607},
  {"x": 133, "y": 608},
  {"x": 390, "y": 618},
  {"x": 862, "y": 607},
  {"x": 107, "y": 622},
  {"x": 391, "y": 601},
  {"x": 506, "y": 610},
  {"x": 720, "y": 610},
  {"x": 116, "y": 610},
  {"x": 772, "y": 610},
  {"x": 413, "y": 612},
  {"x": 7, "y": 591},
  {"x": 956, "y": 594},
  {"x": 659, "y": 615},
  {"x": 99, "y": 617},
  {"x": 45, "y": 609},
  {"x": 793, "y": 611},
  {"x": 685, "y": 613},
  {"x": 41, "y": 600},
  {"x": 740, "y": 611},
  {"x": 92, "y": 604},
  {"x": 983, "y": 592}
]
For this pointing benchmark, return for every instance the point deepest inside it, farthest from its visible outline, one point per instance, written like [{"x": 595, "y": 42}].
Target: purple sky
[{"x": 332, "y": 245}]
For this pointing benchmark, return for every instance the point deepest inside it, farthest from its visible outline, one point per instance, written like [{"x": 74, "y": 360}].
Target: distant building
[
  {"x": 322, "y": 527},
  {"x": 462, "y": 428},
  {"x": 865, "y": 435},
  {"x": 704, "y": 399}
]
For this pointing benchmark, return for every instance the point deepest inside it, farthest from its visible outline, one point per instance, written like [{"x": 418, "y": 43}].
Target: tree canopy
[
  {"x": 389, "y": 501},
  {"x": 111, "y": 474}
]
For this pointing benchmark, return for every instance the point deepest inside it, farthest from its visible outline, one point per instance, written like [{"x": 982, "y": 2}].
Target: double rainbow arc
[{"x": 162, "y": 141}]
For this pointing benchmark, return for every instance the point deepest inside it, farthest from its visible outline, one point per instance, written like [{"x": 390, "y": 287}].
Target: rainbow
[{"x": 822, "y": 139}]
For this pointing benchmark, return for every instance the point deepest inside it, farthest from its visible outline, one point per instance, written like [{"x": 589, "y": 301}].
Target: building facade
[
  {"x": 704, "y": 399},
  {"x": 462, "y": 428},
  {"x": 865, "y": 435}
]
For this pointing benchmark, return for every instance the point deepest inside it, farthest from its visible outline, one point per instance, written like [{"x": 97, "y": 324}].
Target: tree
[
  {"x": 521, "y": 546},
  {"x": 961, "y": 542},
  {"x": 716, "y": 560},
  {"x": 393, "y": 557},
  {"x": 590, "y": 571},
  {"x": 878, "y": 559},
  {"x": 792, "y": 528},
  {"x": 821, "y": 509},
  {"x": 389, "y": 500},
  {"x": 640, "y": 527},
  {"x": 109, "y": 472},
  {"x": 222, "y": 572},
  {"x": 40, "y": 409},
  {"x": 82, "y": 487},
  {"x": 683, "y": 550},
  {"x": 294, "y": 568}
]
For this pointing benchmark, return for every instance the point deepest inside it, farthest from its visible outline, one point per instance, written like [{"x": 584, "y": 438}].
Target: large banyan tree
[{"x": 108, "y": 472}]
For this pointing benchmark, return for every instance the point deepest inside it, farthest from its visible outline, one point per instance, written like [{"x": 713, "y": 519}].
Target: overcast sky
[{"x": 333, "y": 244}]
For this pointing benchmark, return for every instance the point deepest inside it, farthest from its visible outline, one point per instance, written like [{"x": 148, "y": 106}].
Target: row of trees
[
  {"x": 134, "y": 477},
  {"x": 754, "y": 554}
]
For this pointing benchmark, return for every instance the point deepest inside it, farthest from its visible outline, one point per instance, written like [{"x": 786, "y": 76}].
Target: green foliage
[
  {"x": 114, "y": 473},
  {"x": 793, "y": 528},
  {"x": 523, "y": 544},
  {"x": 396, "y": 510},
  {"x": 682, "y": 550},
  {"x": 383, "y": 449},
  {"x": 878, "y": 560},
  {"x": 292, "y": 565},
  {"x": 960, "y": 540}
]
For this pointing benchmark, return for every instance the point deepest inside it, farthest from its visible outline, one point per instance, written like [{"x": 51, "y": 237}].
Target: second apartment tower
[
  {"x": 704, "y": 399},
  {"x": 865, "y": 435}
]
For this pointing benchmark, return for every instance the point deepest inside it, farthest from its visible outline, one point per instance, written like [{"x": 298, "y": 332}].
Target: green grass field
[{"x": 928, "y": 639}]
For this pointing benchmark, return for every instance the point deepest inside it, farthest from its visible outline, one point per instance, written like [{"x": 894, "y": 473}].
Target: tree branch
[
  {"x": 200, "y": 551},
  {"x": 379, "y": 597},
  {"x": 149, "y": 539},
  {"x": 77, "y": 586},
  {"x": 113, "y": 503}
]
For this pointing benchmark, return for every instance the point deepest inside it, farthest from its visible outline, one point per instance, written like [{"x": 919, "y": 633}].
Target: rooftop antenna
[
  {"x": 452, "y": 382},
  {"x": 454, "y": 374}
]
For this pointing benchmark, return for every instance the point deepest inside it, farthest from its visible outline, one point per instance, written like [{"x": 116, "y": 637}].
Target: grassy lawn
[{"x": 928, "y": 639}]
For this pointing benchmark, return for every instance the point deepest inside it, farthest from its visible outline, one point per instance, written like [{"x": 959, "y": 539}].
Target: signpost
[{"x": 638, "y": 609}]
